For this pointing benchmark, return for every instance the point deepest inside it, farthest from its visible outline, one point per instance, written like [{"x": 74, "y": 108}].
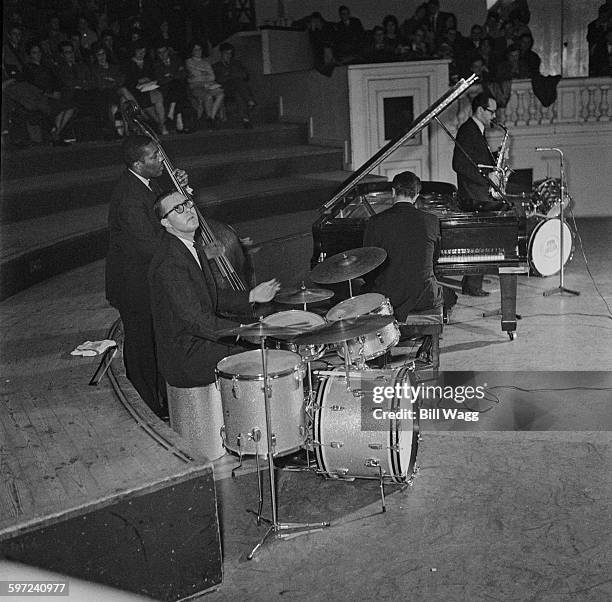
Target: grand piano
[{"x": 471, "y": 243}]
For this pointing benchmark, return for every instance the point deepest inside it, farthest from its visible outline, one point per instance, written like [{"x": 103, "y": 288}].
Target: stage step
[
  {"x": 26, "y": 198},
  {"x": 32, "y": 162}
]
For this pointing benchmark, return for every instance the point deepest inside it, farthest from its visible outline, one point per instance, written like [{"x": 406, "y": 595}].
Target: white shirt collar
[
  {"x": 190, "y": 246},
  {"x": 146, "y": 182}
]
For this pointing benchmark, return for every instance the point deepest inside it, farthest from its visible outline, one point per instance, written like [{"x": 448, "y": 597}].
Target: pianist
[
  {"x": 471, "y": 149},
  {"x": 411, "y": 238}
]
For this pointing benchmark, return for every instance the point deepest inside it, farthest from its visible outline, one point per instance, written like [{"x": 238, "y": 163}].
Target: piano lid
[{"x": 416, "y": 126}]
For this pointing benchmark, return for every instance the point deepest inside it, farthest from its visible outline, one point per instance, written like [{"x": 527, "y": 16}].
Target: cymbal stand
[
  {"x": 561, "y": 288},
  {"x": 277, "y": 530}
]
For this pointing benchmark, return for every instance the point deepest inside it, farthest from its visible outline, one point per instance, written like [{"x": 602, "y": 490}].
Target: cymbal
[
  {"x": 343, "y": 330},
  {"x": 304, "y": 295},
  {"x": 348, "y": 265},
  {"x": 258, "y": 330}
]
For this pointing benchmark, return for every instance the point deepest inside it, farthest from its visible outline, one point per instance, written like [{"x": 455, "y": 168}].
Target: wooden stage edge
[{"x": 104, "y": 491}]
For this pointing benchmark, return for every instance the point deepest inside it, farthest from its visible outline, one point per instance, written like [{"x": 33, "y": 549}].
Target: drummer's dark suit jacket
[
  {"x": 184, "y": 302},
  {"x": 411, "y": 238},
  {"x": 472, "y": 188}
]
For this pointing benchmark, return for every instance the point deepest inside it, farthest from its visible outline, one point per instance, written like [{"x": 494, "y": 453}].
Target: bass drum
[
  {"x": 351, "y": 443},
  {"x": 545, "y": 247}
]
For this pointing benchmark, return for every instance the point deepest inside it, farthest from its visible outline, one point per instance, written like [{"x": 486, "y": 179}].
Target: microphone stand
[{"x": 561, "y": 288}]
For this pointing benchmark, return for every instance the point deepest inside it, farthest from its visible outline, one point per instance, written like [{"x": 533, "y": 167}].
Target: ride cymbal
[
  {"x": 343, "y": 330},
  {"x": 304, "y": 295},
  {"x": 348, "y": 265},
  {"x": 259, "y": 330}
]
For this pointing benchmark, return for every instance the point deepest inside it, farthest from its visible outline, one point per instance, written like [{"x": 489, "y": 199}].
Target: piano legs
[{"x": 507, "y": 283}]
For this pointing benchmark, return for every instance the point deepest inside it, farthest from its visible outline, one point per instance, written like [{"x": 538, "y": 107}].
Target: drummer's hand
[
  {"x": 246, "y": 241},
  {"x": 181, "y": 177},
  {"x": 264, "y": 292},
  {"x": 213, "y": 250}
]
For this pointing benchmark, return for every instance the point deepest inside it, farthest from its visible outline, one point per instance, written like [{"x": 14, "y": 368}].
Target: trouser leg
[{"x": 140, "y": 360}]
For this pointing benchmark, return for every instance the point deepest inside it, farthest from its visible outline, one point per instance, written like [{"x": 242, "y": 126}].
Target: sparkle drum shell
[
  {"x": 545, "y": 247},
  {"x": 346, "y": 444},
  {"x": 240, "y": 381},
  {"x": 292, "y": 317},
  {"x": 373, "y": 344}
]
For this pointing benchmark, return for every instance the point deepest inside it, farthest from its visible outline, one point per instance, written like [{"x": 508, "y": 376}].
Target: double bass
[{"x": 230, "y": 268}]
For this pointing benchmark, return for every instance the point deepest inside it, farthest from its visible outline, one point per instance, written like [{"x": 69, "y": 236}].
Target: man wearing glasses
[
  {"x": 185, "y": 300},
  {"x": 471, "y": 149},
  {"x": 135, "y": 234}
]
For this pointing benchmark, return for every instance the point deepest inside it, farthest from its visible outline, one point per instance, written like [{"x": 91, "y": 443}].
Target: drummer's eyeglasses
[{"x": 180, "y": 208}]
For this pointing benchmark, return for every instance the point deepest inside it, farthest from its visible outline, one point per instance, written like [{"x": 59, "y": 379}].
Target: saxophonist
[{"x": 471, "y": 150}]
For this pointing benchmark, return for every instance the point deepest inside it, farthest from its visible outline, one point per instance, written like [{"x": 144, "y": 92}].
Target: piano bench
[{"x": 425, "y": 323}]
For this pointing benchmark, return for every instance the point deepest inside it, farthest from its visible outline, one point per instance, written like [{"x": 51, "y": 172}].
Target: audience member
[
  {"x": 107, "y": 42},
  {"x": 320, "y": 33},
  {"x": 392, "y": 35},
  {"x": 171, "y": 78},
  {"x": 348, "y": 38},
  {"x": 56, "y": 35},
  {"x": 207, "y": 95},
  {"x": 140, "y": 81},
  {"x": 45, "y": 80},
  {"x": 233, "y": 76},
  {"x": 600, "y": 63},
  {"x": 13, "y": 56},
  {"x": 108, "y": 81},
  {"x": 529, "y": 61},
  {"x": 437, "y": 21},
  {"x": 376, "y": 49},
  {"x": 419, "y": 19},
  {"x": 88, "y": 36}
]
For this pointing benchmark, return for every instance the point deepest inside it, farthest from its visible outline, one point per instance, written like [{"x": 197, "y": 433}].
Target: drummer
[
  {"x": 185, "y": 300},
  {"x": 411, "y": 238}
]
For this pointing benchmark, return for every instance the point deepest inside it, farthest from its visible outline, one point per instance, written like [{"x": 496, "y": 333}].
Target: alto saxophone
[{"x": 501, "y": 168}]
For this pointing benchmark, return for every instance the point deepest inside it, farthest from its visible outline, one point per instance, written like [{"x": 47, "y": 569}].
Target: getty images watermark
[
  {"x": 392, "y": 395},
  {"x": 395, "y": 397}
]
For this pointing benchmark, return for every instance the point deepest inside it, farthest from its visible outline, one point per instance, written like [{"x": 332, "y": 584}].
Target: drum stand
[
  {"x": 561, "y": 288},
  {"x": 277, "y": 530}
]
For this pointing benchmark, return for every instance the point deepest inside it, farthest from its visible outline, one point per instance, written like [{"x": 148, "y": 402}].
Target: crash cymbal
[
  {"x": 258, "y": 330},
  {"x": 304, "y": 295},
  {"x": 343, "y": 330},
  {"x": 348, "y": 265}
]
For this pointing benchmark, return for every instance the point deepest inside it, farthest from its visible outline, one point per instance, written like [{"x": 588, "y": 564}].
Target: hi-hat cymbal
[
  {"x": 348, "y": 265},
  {"x": 343, "y": 330},
  {"x": 258, "y": 330},
  {"x": 304, "y": 295}
]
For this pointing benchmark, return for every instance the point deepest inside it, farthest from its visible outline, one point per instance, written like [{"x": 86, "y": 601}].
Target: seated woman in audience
[
  {"x": 46, "y": 81},
  {"x": 140, "y": 81},
  {"x": 206, "y": 93},
  {"x": 392, "y": 34}
]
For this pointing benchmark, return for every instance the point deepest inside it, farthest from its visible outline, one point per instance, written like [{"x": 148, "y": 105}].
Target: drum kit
[
  {"x": 544, "y": 226},
  {"x": 273, "y": 407}
]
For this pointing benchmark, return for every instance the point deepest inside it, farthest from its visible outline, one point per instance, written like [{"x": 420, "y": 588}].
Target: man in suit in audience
[
  {"x": 185, "y": 300},
  {"x": 472, "y": 149},
  {"x": 135, "y": 235},
  {"x": 411, "y": 238}
]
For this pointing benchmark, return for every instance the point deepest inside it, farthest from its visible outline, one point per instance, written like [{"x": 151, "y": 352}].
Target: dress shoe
[{"x": 475, "y": 292}]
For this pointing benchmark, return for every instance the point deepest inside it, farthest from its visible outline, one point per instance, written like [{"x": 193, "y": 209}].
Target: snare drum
[
  {"x": 292, "y": 317},
  {"x": 373, "y": 344},
  {"x": 240, "y": 381},
  {"x": 545, "y": 247},
  {"x": 351, "y": 443}
]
